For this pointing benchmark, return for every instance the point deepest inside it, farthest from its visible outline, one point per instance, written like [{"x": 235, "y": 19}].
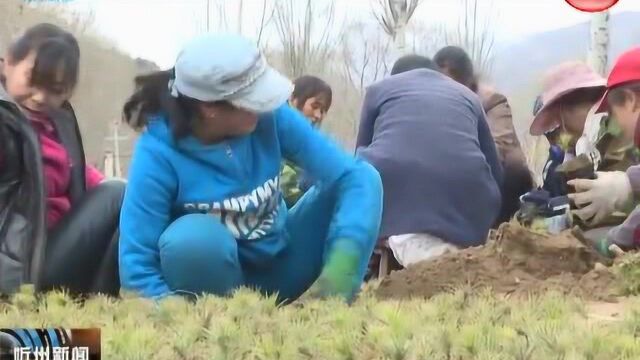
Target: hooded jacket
[
  {"x": 23, "y": 233},
  {"x": 237, "y": 181}
]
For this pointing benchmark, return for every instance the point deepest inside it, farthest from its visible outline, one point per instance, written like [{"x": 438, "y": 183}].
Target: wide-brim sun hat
[
  {"x": 559, "y": 81},
  {"x": 625, "y": 70},
  {"x": 229, "y": 67}
]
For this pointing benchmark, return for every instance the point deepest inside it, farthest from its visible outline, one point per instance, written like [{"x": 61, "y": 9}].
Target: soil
[
  {"x": 516, "y": 262},
  {"x": 599, "y": 311}
]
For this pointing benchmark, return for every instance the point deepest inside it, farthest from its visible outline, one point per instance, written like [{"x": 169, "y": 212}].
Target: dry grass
[{"x": 246, "y": 326}]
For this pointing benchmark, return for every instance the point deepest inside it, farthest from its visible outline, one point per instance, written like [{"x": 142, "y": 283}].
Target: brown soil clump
[{"x": 515, "y": 261}]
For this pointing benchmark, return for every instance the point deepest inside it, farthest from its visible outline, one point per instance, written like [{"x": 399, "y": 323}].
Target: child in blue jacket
[{"x": 203, "y": 211}]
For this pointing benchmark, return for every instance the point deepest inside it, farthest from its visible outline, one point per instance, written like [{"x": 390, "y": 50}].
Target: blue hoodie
[{"x": 238, "y": 181}]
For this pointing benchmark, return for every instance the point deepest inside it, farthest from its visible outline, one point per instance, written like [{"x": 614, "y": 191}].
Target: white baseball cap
[{"x": 228, "y": 67}]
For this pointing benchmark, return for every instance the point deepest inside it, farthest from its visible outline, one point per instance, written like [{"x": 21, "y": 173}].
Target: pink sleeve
[{"x": 94, "y": 176}]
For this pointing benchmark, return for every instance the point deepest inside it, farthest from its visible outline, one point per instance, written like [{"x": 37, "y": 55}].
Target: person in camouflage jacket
[
  {"x": 567, "y": 114},
  {"x": 618, "y": 190}
]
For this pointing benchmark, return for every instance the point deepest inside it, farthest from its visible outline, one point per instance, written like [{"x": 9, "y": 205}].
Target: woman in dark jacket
[{"x": 58, "y": 217}]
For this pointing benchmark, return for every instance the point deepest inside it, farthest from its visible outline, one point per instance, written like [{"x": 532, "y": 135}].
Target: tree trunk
[
  {"x": 599, "y": 42},
  {"x": 208, "y": 14},
  {"x": 400, "y": 41},
  {"x": 400, "y": 33},
  {"x": 240, "y": 10}
]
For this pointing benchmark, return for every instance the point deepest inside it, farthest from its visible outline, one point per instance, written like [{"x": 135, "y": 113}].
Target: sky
[{"x": 156, "y": 29}]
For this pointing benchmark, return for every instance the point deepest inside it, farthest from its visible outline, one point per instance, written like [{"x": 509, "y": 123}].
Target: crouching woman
[
  {"x": 203, "y": 211},
  {"x": 58, "y": 218}
]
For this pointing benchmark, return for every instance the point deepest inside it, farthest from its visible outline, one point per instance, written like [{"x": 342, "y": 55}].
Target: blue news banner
[{"x": 50, "y": 344}]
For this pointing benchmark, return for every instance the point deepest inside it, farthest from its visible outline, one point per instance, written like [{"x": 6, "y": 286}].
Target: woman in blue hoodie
[{"x": 203, "y": 211}]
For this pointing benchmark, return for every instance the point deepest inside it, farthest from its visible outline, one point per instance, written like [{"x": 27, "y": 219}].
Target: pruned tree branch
[
  {"x": 474, "y": 34},
  {"x": 264, "y": 20},
  {"x": 365, "y": 55}
]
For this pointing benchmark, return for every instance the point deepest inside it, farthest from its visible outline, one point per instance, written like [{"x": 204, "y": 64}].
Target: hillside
[
  {"x": 105, "y": 71},
  {"x": 519, "y": 67}
]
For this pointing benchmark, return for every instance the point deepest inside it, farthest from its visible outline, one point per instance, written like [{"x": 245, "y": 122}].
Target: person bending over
[
  {"x": 428, "y": 137},
  {"x": 456, "y": 63},
  {"x": 203, "y": 211}
]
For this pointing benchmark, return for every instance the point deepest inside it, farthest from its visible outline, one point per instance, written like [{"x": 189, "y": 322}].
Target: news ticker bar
[{"x": 50, "y": 344}]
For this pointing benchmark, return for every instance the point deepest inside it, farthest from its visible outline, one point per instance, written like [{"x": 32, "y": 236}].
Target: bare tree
[
  {"x": 425, "y": 38},
  {"x": 394, "y": 17},
  {"x": 365, "y": 56},
  {"x": 305, "y": 36},
  {"x": 210, "y": 16},
  {"x": 221, "y": 19},
  {"x": 599, "y": 43},
  {"x": 240, "y": 11},
  {"x": 474, "y": 34},
  {"x": 265, "y": 19},
  {"x": 216, "y": 18}
]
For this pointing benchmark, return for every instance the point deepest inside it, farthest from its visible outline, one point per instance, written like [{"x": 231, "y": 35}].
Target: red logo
[{"x": 592, "y": 5}]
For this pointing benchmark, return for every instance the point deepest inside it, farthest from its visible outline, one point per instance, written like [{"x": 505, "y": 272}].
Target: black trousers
[
  {"x": 517, "y": 182},
  {"x": 82, "y": 250}
]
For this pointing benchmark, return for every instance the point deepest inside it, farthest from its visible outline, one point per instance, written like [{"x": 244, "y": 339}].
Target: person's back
[{"x": 428, "y": 138}]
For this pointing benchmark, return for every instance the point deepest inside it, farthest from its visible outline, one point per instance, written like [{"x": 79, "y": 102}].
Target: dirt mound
[{"x": 515, "y": 261}]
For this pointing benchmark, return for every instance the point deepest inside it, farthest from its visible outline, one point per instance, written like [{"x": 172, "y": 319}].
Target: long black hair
[
  {"x": 54, "y": 49},
  {"x": 152, "y": 97},
  {"x": 307, "y": 86}
]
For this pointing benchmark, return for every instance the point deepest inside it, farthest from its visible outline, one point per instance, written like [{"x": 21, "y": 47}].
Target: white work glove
[
  {"x": 409, "y": 249},
  {"x": 599, "y": 198}
]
